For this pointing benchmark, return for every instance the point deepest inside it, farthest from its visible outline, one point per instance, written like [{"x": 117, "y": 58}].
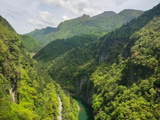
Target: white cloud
[
  {"x": 75, "y": 7},
  {"x": 119, "y": 2},
  {"x": 26, "y": 15},
  {"x": 43, "y": 19},
  {"x": 65, "y": 17}
]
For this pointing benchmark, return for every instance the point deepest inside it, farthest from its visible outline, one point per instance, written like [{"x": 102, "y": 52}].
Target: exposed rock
[
  {"x": 84, "y": 88},
  {"x": 103, "y": 57},
  {"x": 12, "y": 94}
]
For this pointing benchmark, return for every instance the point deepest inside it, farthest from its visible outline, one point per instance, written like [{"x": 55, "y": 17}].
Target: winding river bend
[{"x": 85, "y": 109}]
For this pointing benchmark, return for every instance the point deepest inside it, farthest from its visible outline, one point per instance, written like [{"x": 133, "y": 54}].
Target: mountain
[
  {"x": 117, "y": 74},
  {"x": 6, "y": 23},
  {"x": 130, "y": 14},
  {"x": 41, "y": 34},
  {"x": 43, "y": 31},
  {"x": 87, "y": 24},
  {"x": 106, "y": 14},
  {"x": 26, "y": 92},
  {"x": 30, "y": 43},
  {"x": 60, "y": 46}
]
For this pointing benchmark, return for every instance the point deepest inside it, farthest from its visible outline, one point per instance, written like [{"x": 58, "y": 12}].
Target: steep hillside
[
  {"x": 87, "y": 24},
  {"x": 41, "y": 34},
  {"x": 129, "y": 89},
  {"x": 106, "y": 14},
  {"x": 60, "y": 46},
  {"x": 25, "y": 91},
  {"x": 129, "y": 14},
  {"x": 118, "y": 74},
  {"x": 30, "y": 43},
  {"x": 6, "y": 23}
]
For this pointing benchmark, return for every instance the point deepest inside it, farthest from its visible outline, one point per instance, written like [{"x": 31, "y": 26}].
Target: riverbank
[{"x": 84, "y": 110}]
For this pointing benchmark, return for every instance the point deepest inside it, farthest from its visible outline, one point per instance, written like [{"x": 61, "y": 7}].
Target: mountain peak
[
  {"x": 105, "y": 14},
  {"x": 130, "y": 13},
  {"x": 84, "y": 15},
  {"x": 108, "y": 12}
]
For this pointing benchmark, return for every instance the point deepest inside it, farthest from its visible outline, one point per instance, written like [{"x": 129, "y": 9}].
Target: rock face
[
  {"x": 12, "y": 94},
  {"x": 103, "y": 57},
  {"x": 84, "y": 89},
  {"x": 13, "y": 90}
]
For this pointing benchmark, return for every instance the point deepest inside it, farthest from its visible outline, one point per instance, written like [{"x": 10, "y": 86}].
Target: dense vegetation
[
  {"x": 60, "y": 46},
  {"x": 5, "y": 22},
  {"x": 70, "y": 107},
  {"x": 130, "y": 89},
  {"x": 26, "y": 92},
  {"x": 30, "y": 43},
  {"x": 87, "y": 24},
  {"x": 122, "y": 70},
  {"x": 42, "y": 34}
]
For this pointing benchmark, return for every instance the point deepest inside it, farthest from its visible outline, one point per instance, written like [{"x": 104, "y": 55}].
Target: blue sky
[{"x": 27, "y": 15}]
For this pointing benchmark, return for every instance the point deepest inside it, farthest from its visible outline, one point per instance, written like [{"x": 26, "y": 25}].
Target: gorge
[{"x": 108, "y": 65}]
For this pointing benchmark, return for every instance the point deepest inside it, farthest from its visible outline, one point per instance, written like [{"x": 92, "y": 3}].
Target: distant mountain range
[
  {"x": 104, "y": 22},
  {"x": 118, "y": 74}
]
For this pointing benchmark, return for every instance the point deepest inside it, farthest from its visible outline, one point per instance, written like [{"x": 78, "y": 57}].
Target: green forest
[
  {"x": 114, "y": 68},
  {"x": 30, "y": 43},
  {"x": 85, "y": 24},
  {"x": 26, "y": 93}
]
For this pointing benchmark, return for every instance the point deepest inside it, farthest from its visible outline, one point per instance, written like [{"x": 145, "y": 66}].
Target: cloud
[
  {"x": 65, "y": 17},
  {"x": 26, "y": 15},
  {"x": 74, "y": 7},
  {"x": 119, "y": 2},
  {"x": 43, "y": 19}
]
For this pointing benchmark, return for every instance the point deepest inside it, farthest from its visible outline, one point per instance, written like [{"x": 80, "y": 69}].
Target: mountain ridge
[
  {"x": 26, "y": 92},
  {"x": 85, "y": 24},
  {"x": 117, "y": 74},
  {"x": 105, "y": 14}
]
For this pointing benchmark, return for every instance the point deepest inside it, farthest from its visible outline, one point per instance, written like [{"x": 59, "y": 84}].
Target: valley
[
  {"x": 104, "y": 67},
  {"x": 85, "y": 110}
]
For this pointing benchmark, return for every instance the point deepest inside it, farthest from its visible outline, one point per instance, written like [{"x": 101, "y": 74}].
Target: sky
[{"x": 27, "y": 15}]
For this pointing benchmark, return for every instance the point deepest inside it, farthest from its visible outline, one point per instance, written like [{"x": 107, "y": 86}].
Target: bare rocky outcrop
[
  {"x": 12, "y": 94},
  {"x": 84, "y": 89},
  {"x": 12, "y": 90}
]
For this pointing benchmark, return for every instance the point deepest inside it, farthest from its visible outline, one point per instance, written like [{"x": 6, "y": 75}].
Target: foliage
[
  {"x": 60, "y": 46},
  {"x": 6, "y": 23},
  {"x": 41, "y": 34},
  {"x": 30, "y": 43},
  {"x": 73, "y": 64},
  {"x": 130, "y": 90},
  {"x": 85, "y": 24},
  {"x": 123, "y": 66},
  {"x": 70, "y": 107},
  {"x": 25, "y": 92}
]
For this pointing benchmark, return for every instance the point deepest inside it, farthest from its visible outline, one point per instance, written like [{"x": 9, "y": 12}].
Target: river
[{"x": 85, "y": 109}]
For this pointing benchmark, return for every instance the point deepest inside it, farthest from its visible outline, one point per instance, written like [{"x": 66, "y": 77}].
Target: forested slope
[
  {"x": 87, "y": 24},
  {"x": 30, "y": 43},
  {"x": 60, "y": 46},
  {"x": 41, "y": 34},
  {"x": 120, "y": 71},
  {"x": 129, "y": 89},
  {"x": 26, "y": 92}
]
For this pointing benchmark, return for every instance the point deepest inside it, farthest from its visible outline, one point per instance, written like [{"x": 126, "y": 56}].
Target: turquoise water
[{"x": 86, "y": 110}]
